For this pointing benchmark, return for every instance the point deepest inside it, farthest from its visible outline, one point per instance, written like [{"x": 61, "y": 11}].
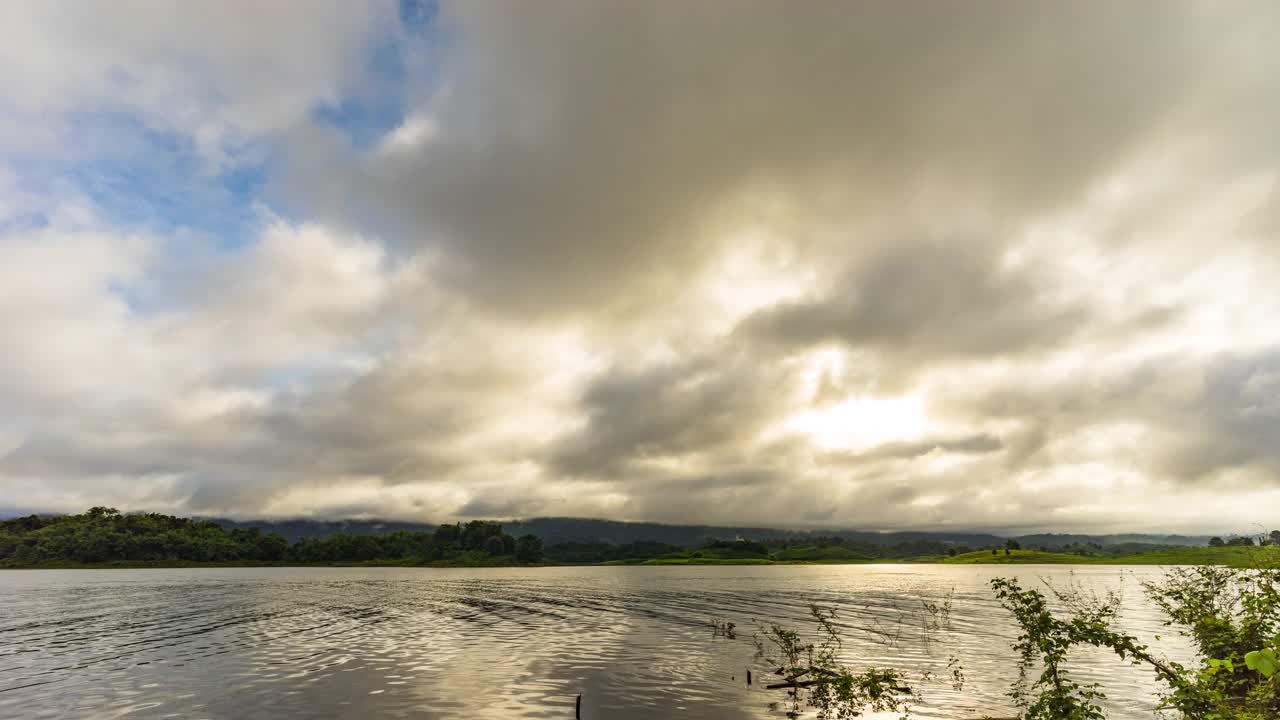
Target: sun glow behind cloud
[{"x": 862, "y": 422}]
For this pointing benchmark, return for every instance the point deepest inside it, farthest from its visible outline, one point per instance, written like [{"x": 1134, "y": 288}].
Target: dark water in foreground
[{"x": 497, "y": 643}]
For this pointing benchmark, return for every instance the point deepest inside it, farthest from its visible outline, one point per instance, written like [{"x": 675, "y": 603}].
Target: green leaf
[{"x": 1263, "y": 661}]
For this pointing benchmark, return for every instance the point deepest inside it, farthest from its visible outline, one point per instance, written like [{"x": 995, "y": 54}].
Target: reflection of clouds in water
[{"x": 498, "y": 643}]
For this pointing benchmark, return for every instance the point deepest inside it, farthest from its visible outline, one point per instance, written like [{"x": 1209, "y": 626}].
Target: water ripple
[{"x": 494, "y": 643}]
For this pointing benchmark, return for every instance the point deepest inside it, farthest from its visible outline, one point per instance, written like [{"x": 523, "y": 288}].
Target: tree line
[
  {"x": 104, "y": 535},
  {"x": 1271, "y": 538}
]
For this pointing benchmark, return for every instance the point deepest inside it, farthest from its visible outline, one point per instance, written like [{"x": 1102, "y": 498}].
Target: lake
[{"x": 506, "y": 642}]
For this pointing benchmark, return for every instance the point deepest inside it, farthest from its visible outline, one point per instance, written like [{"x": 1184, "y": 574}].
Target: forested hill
[
  {"x": 1065, "y": 540},
  {"x": 104, "y": 536},
  {"x": 294, "y": 530},
  {"x": 556, "y": 530}
]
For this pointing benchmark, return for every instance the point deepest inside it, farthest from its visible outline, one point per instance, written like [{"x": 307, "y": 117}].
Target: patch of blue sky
[
  {"x": 136, "y": 298},
  {"x": 379, "y": 105},
  {"x": 28, "y": 196},
  {"x": 139, "y": 177},
  {"x": 417, "y": 15},
  {"x": 157, "y": 179},
  {"x": 374, "y": 107},
  {"x": 301, "y": 375},
  {"x": 363, "y": 351},
  {"x": 23, "y": 221}
]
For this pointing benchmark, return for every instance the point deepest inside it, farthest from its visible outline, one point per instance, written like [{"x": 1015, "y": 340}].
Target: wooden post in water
[
  {"x": 748, "y": 678},
  {"x": 577, "y": 708}
]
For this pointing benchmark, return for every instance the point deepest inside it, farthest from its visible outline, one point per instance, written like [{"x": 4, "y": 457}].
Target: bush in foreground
[{"x": 1232, "y": 615}]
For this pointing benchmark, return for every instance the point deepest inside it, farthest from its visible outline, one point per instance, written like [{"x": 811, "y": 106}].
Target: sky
[{"x": 884, "y": 265}]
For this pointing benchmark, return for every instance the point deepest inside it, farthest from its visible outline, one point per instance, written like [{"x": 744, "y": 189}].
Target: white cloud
[
  {"x": 412, "y": 134},
  {"x": 99, "y": 384},
  {"x": 219, "y": 74}
]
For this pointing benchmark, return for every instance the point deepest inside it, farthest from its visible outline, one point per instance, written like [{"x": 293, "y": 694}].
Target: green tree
[
  {"x": 493, "y": 545},
  {"x": 1216, "y": 541},
  {"x": 529, "y": 549}
]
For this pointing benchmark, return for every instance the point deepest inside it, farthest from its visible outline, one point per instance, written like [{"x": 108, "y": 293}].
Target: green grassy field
[
  {"x": 1234, "y": 556},
  {"x": 1231, "y": 556},
  {"x": 710, "y": 561},
  {"x": 1016, "y": 557},
  {"x": 830, "y": 554}
]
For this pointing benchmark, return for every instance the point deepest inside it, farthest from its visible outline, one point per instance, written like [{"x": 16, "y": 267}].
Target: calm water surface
[{"x": 501, "y": 643}]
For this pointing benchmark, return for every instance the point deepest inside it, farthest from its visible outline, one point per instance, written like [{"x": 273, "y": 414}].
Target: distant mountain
[
  {"x": 560, "y": 530},
  {"x": 1053, "y": 540},
  {"x": 293, "y": 530},
  {"x": 557, "y": 530},
  {"x": 554, "y": 530}
]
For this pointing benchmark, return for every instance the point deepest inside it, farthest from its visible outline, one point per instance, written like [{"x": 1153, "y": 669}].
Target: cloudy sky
[{"x": 1002, "y": 265}]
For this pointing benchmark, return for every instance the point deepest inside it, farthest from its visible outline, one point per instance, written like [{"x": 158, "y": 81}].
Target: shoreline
[{"x": 1231, "y": 556}]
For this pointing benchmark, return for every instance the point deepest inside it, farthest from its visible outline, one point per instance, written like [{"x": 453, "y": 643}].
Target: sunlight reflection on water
[{"x": 502, "y": 643}]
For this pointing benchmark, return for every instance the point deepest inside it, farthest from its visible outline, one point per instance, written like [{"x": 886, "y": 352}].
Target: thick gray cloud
[
  {"x": 594, "y": 155},
  {"x": 1235, "y": 423},
  {"x": 928, "y": 300},
  {"x": 703, "y": 404},
  {"x": 913, "y": 305},
  {"x": 1190, "y": 420}
]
